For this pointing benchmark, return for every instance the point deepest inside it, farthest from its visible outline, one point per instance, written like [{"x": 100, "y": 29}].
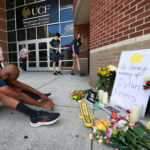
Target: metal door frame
[{"x": 36, "y": 42}]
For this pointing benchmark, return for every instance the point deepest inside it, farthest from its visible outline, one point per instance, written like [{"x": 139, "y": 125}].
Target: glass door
[
  {"x": 39, "y": 57},
  {"x": 32, "y": 56},
  {"x": 39, "y": 54}
]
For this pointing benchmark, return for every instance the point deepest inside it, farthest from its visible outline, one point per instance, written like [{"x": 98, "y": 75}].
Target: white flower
[
  {"x": 126, "y": 128},
  {"x": 94, "y": 130},
  {"x": 122, "y": 123},
  {"x": 97, "y": 136},
  {"x": 100, "y": 141}
]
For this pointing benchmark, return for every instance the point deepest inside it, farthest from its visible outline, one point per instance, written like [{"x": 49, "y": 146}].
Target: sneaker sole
[{"x": 43, "y": 123}]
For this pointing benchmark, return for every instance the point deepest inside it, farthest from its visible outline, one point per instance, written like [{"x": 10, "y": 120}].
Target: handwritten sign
[{"x": 128, "y": 87}]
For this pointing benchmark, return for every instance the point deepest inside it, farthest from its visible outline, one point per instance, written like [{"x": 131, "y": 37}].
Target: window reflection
[
  {"x": 65, "y": 41},
  {"x": 9, "y": 4},
  {"x": 11, "y": 25},
  {"x": 21, "y": 35},
  {"x": 67, "y": 29},
  {"x": 29, "y": 1},
  {"x": 43, "y": 45},
  {"x": 12, "y": 36},
  {"x": 31, "y": 33},
  {"x": 66, "y": 15},
  {"x": 65, "y": 4},
  {"x": 31, "y": 46},
  {"x": 52, "y": 30},
  {"x": 19, "y": 2},
  {"x": 12, "y": 57},
  {"x": 12, "y": 47},
  {"x": 42, "y": 32},
  {"x": 10, "y": 14}
]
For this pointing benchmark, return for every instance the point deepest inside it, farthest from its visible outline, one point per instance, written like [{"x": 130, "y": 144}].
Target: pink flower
[
  {"x": 116, "y": 125},
  {"x": 109, "y": 132},
  {"x": 116, "y": 149},
  {"x": 107, "y": 142},
  {"x": 90, "y": 136}
]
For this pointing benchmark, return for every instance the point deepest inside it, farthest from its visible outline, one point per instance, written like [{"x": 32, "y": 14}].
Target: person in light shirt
[{"x": 23, "y": 57}]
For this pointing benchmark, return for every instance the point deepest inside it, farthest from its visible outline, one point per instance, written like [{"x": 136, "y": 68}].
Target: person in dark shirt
[
  {"x": 56, "y": 56},
  {"x": 75, "y": 49},
  {"x": 11, "y": 95}
]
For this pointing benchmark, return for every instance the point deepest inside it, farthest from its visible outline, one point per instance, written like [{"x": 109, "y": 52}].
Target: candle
[
  {"x": 105, "y": 98},
  {"x": 135, "y": 113},
  {"x": 148, "y": 125},
  {"x": 100, "y": 95}
]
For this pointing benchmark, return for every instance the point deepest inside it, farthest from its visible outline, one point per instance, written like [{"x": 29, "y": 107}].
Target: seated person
[{"x": 12, "y": 96}]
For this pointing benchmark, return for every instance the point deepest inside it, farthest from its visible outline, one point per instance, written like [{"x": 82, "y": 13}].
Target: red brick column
[{"x": 3, "y": 35}]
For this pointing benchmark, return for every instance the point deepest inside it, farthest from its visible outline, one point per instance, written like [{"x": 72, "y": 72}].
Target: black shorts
[
  {"x": 2, "y": 83},
  {"x": 55, "y": 57},
  {"x": 61, "y": 56}
]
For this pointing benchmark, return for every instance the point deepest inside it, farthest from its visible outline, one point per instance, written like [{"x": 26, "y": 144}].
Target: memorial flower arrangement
[
  {"x": 106, "y": 77},
  {"x": 147, "y": 81},
  {"x": 121, "y": 134},
  {"x": 78, "y": 95}
]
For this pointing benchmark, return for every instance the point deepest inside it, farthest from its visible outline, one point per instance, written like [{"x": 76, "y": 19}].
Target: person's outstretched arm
[{"x": 28, "y": 88}]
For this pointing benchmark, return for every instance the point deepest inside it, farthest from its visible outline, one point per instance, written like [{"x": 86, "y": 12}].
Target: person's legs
[
  {"x": 6, "y": 90},
  {"x": 73, "y": 67},
  {"x": 59, "y": 67},
  {"x": 24, "y": 64},
  {"x": 78, "y": 63},
  {"x": 38, "y": 118},
  {"x": 8, "y": 101},
  {"x": 54, "y": 68}
]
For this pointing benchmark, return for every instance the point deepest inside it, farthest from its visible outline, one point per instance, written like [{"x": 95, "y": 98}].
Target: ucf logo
[
  {"x": 136, "y": 58},
  {"x": 26, "y": 12}
]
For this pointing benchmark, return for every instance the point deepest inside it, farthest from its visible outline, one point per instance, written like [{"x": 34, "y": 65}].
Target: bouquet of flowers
[
  {"x": 78, "y": 95},
  {"x": 106, "y": 77},
  {"x": 147, "y": 80},
  {"x": 121, "y": 134}
]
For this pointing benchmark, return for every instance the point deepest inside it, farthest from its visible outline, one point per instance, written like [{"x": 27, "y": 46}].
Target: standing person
[
  {"x": 23, "y": 57},
  {"x": 75, "y": 49},
  {"x": 56, "y": 56}
]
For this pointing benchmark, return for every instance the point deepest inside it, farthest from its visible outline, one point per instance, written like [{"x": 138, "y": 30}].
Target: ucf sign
[
  {"x": 37, "y": 14},
  {"x": 37, "y": 11}
]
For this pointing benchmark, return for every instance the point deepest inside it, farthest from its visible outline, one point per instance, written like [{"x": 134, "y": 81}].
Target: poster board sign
[{"x": 128, "y": 86}]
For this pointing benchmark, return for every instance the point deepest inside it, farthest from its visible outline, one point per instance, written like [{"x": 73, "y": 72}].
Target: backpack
[{"x": 70, "y": 46}]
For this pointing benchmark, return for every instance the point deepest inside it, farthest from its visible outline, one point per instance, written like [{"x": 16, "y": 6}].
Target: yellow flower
[
  {"x": 112, "y": 67},
  {"x": 101, "y": 125},
  {"x": 75, "y": 97}
]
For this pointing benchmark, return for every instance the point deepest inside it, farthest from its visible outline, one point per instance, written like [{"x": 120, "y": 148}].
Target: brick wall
[
  {"x": 113, "y": 25},
  {"x": 112, "y": 21},
  {"x": 3, "y": 39}
]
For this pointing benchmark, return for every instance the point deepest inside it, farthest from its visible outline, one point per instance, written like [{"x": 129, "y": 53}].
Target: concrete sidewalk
[{"x": 67, "y": 134}]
